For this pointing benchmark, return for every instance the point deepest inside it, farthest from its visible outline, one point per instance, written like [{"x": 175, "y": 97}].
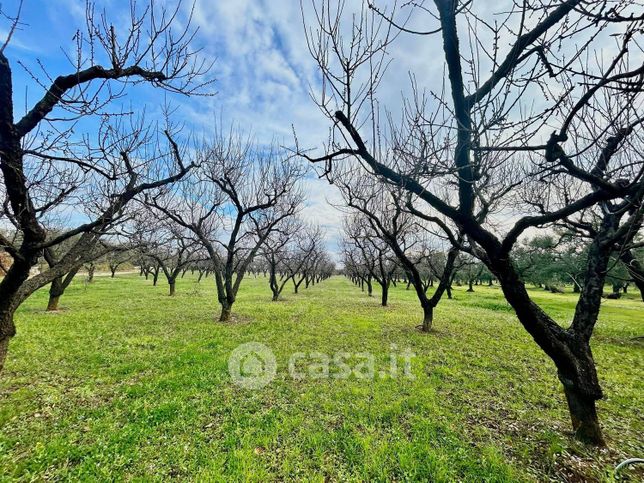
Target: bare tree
[
  {"x": 289, "y": 251},
  {"x": 45, "y": 166},
  {"x": 116, "y": 258},
  {"x": 52, "y": 257},
  {"x": 373, "y": 255},
  {"x": 168, "y": 244},
  {"x": 240, "y": 194},
  {"x": 635, "y": 268},
  {"x": 487, "y": 137},
  {"x": 309, "y": 261},
  {"x": 383, "y": 209},
  {"x": 308, "y": 257}
]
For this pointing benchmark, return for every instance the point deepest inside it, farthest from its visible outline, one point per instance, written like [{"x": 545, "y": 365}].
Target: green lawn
[{"x": 128, "y": 383}]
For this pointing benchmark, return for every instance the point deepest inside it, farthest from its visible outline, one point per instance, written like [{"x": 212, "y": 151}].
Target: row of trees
[
  {"x": 520, "y": 134},
  {"x": 131, "y": 187},
  {"x": 535, "y": 123},
  {"x": 554, "y": 261},
  {"x": 48, "y": 170}
]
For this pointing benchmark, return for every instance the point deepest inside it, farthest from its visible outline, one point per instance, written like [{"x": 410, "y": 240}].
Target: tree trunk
[
  {"x": 225, "y": 312},
  {"x": 569, "y": 349},
  {"x": 583, "y": 415},
  {"x": 4, "y": 348},
  {"x": 428, "y": 318},
  {"x": 52, "y": 305},
  {"x": 172, "y": 287},
  {"x": 272, "y": 279},
  {"x": 55, "y": 291},
  {"x": 470, "y": 287},
  {"x": 385, "y": 294},
  {"x": 10, "y": 300},
  {"x": 7, "y": 329}
]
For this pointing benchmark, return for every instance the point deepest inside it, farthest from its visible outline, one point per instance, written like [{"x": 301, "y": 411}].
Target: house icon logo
[{"x": 252, "y": 365}]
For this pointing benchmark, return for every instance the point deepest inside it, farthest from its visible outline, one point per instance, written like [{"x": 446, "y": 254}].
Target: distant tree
[
  {"x": 471, "y": 271},
  {"x": 232, "y": 203},
  {"x": 384, "y": 212},
  {"x": 276, "y": 251},
  {"x": 60, "y": 283},
  {"x": 308, "y": 257},
  {"x": 633, "y": 260},
  {"x": 117, "y": 257},
  {"x": 376, "y": 257},
  {"x": 90, "y": 267}
]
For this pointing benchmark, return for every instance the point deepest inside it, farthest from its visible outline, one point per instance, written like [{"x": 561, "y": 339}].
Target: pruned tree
[
  {"x": 520, "y": 128},
  {"x": 59, "y": 284},
  {"x": 308, "y": 257},
  {"x": 310, "y": 262},
  {"x": 633, "y": 260},
  {"x": 285, "y": 254},
  {"x": 383, "y": 210},
  {"x": 232, "y": 203}
]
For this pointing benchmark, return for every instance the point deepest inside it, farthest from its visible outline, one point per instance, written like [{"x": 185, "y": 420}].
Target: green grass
[{"x": 128, "y": 383}]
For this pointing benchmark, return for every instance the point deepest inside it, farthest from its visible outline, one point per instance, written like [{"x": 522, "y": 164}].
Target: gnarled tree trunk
[
  {"x": 10, "y": 299},
  {"x": 569, "y": 349},
  {"x": 58, "y": 287}
]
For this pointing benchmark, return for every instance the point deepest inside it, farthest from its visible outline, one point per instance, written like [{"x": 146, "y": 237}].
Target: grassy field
[{"x": 128, "y": 383}]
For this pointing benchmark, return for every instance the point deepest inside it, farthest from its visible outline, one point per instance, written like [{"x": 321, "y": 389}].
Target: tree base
[
  {"x": 428, "y": 319},
  {"x": 225, "y": 315},
  {"x": 583, "y": 415},
  {"x": 52, "y": 306}
]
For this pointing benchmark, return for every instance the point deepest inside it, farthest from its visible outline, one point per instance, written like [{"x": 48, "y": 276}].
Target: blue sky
[{"x": 262, "y": 69}]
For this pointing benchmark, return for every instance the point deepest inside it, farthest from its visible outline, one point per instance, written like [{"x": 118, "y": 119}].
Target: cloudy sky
[
  {"x": 264, "y": 72},
  {"x": 262, "y": 67}
]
